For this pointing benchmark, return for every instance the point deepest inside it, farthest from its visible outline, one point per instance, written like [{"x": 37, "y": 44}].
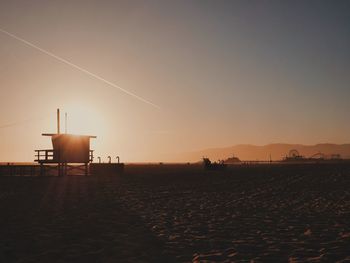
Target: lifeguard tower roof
[{"x": 75, "y": 135}]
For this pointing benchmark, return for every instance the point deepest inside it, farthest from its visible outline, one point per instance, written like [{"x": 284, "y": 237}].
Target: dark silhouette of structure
[
  {"x": 107, "y": 168},
  {"x": 68, "y": 149},
  {"x": 232, "y": 160},
  {"x": 208, "y": 165},
  {"x": 293, "y": 156},
  {"x": 319, "y": 157}
]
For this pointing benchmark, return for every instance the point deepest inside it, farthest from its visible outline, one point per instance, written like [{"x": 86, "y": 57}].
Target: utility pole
[{"x": 58, "y": 121}]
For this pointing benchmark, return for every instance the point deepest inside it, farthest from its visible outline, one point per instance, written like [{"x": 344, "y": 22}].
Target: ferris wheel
[{"x": 293, "y": 153}]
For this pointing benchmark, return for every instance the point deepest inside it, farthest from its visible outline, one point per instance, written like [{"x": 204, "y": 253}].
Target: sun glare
[{"x": 82, "y": 120}]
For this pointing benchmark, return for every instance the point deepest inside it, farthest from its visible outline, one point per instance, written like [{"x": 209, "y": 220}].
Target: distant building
[{"x": 232, "y": 160}]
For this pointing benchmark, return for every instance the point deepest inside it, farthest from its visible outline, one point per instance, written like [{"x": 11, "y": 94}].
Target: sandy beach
[{"x": 179, "y": 213}]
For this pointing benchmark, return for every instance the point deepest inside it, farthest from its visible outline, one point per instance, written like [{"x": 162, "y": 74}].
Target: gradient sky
[{"x": 222, "y": 73}]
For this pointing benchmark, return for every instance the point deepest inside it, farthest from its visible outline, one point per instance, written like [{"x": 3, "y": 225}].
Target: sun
[{"x": 82, "y": 120}]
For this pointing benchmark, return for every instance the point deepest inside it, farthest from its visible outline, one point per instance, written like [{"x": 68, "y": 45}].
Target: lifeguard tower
[{"x": 70, "y": 152}]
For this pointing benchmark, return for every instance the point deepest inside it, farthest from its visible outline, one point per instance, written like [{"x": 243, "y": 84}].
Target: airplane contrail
[{"x": 78, "y": 68}]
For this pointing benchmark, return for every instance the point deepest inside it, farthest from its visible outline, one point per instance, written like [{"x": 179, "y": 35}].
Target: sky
[{"x": 215, "y": 74}]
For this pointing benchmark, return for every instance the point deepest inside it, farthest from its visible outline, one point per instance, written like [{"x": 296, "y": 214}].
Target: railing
[
  {"x": 91, "y": 156},
  {"x": 49, "y": 156},
  {"x": 45, "y": 156}
]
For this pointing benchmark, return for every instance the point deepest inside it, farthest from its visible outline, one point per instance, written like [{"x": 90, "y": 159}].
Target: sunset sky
[{"x": 219, "y": 73}]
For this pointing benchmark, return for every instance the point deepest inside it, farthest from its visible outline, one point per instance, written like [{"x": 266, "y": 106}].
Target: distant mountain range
[{"x": 276, "y": 151}]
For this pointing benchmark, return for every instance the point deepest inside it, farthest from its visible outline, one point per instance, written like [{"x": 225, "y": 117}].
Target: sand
[{"x": 179, "y": 214}]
